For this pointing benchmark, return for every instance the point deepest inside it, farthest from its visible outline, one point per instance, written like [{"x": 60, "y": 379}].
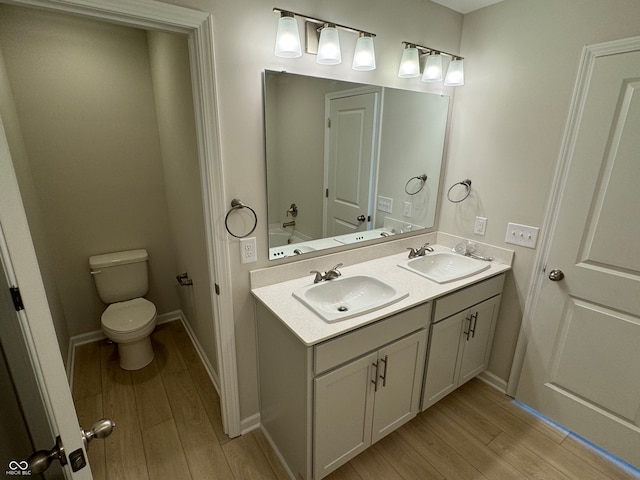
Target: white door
[
  {"x": 351, "y": 148},
  {"x": 35, "y": 337},
  {"x": 582, "y": 360}
]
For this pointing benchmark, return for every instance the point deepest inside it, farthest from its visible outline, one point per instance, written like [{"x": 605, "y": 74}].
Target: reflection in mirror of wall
[{"x": 352, "y": 158}]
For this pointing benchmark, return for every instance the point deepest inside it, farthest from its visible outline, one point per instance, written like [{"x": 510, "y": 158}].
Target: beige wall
[
  {"x": 169, "y": 56},
  {"x": 87, "y": 115},
  {"x": 521, "y": 61}
]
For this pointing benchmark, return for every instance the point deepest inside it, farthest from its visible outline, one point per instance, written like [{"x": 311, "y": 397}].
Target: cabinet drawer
[
  {"x": 351, "y": 345},
  {"x": 467, "y": 297}
]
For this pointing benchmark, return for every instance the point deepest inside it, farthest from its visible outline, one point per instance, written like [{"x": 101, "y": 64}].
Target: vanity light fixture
[
  {"x": 433, "y": 65},
  {"x": 433, "y": 68},
  {"x": 410, "y": 63},
  {"x": 322, "y": 39},
  {"x": 287, "y": 38}
]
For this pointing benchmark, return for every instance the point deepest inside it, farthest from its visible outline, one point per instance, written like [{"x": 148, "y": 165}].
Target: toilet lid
[{"x": 129, "y": 316}]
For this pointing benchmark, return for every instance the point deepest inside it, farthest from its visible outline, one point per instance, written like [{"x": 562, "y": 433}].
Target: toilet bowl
[
  {"x": 121, "y": 280},
  {"x": 129, "y": 324}
]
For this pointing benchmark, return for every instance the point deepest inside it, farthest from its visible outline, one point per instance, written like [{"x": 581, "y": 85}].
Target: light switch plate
[
  {"x": 385, "y": 204},
  {"x": 522, "y": 235}
]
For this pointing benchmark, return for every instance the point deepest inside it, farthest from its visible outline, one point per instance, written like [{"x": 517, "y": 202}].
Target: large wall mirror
[{"x": 348, "y": 162}]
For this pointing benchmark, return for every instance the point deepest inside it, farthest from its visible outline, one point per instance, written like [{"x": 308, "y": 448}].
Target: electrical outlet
[
  {"x": 480, "y": 227},
  {"x": 522, "y": 235},
  {"x": 407, "y": 209},
  {"x": 385, "y": 204},
  {"x": 248, "y": 252}
]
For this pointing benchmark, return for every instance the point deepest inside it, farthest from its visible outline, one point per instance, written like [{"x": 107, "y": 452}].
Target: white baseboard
[
  {"x": 250, "y": 423},
  {"x": 493, "y": 381}
]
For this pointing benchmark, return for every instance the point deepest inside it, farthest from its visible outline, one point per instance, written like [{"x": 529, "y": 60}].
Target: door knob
[
  {"x": 100, "y": 429},
  {"x": 361, "y": 218},
  {"x": 41, "y": 460},
  {"x": 556, "y": 275}
]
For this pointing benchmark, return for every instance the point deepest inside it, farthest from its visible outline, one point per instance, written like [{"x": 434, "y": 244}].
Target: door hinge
[
  {"x": 326, "y": 193},
  {"x": 328, "y": 122},
  {"x": 17, "y": 298},
  {"x": 217, "y": 288}
]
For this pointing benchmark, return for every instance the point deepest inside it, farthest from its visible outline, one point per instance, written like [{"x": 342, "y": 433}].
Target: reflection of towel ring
[
  {"x": 421, "y": 178},
  {"x": 466, "y": 184},
  {"x": 238, "y": 205}
]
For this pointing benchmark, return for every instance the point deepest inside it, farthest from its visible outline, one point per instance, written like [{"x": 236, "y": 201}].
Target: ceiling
[{"x": 466, "y": 6}]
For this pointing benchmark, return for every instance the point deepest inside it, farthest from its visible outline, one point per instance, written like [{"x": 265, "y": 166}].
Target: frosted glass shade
[
  {"x": 329, "y": 46},
  {"x": 455, "y": 74},
  {"x": 433, "y": 68},
  {"x": 287, "y": 38},
  {"x": 364, "y": 57},
  {"x": 410, "y": 63}
]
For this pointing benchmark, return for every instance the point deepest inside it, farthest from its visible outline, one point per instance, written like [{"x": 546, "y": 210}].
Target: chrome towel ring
[
  {"x": 421, "y": 178},
  {"x": 238, "y": 205},
  {"x": 466, "y": 184}
]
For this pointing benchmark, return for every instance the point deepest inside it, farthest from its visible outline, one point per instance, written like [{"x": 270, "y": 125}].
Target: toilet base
[{"x": 135, "y": 355}]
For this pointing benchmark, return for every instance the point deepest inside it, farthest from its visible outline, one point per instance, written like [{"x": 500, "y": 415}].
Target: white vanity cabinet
[
  {"x": 323, "y": 404},
  {"x": 461, "y": 337}
]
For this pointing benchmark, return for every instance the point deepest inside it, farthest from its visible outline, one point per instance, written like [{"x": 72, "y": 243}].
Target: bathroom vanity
[{"x": 329, "y": 390}]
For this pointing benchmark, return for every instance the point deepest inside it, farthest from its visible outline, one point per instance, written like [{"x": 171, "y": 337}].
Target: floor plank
[
  {"x": 167, "y": 356},
  {"x": 409, "y": 463},
  {"x": 593, "y": 458},
  {"x": 149, "y": 391},
  {"x": 275, "y": 464},
  {"x": 204, "y": 454},
  {"x": 89, "y": 410},
  {"x": 87, "y": 377},
  {"x": 165, "y": 457},
  {"x": 485, "y": 460},
  {"x": 246, "y": 459},
  {"x": 371, "y": 466}
]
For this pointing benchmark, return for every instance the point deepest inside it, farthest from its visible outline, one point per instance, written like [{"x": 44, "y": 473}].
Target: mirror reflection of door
[{"x": 349, "y": 162}]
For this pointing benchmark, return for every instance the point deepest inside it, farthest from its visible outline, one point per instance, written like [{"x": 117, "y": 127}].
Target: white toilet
[{"x": 122, "y": 280}]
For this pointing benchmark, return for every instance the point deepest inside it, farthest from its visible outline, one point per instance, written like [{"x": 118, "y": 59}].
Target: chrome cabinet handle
[
  {"x": 375, "y": 381},
  {"x": 384, "y": 374},
  {"x": 468, "y": 331},
  {"x": 556, "y": 275},
  {"x": 474, "y": 317}
]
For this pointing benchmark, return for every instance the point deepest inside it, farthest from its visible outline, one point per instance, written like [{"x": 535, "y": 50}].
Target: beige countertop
[{"x": 311, "y": 329}]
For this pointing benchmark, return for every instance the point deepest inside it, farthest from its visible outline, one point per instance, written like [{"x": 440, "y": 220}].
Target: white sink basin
[
  {"x": 443, "y": 267},
  {"x": 347, "y": 297}
]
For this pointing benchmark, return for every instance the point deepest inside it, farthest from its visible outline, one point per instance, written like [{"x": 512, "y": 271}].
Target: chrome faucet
[
  {"x": 420, "y": 252},
  {"x": 293, "y": 210},
  {"x": 328, "y": 275},
  {"x": 292, "y": 223}
]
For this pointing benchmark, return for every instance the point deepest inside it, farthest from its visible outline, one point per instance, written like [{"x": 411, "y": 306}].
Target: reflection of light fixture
[
  {"x": 322, "y": 40},
  {"x": 433, "y": 68},
  {"x": 455, "y": 73},
  {"x": 287, "y": 38},
  {"x": 329, "y": 46},
  {"x": 364, "y": 58},
  {"x": 410, "y": 63},
  {"x": 433, "y": 65}
]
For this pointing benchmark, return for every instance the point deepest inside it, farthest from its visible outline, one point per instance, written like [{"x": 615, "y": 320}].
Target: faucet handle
[
  {"x": 412, "y": 252},
  {"x": 425, "y": 248},
  {"x": 337, "y": 267},
  {"x": 319, "y": 276}
]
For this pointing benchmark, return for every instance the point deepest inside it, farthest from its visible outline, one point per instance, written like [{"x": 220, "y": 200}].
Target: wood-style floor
[{"x": 169, "y": 427}]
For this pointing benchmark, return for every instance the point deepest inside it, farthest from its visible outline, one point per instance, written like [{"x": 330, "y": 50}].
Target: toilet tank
[{"x": 120, "y": 276}]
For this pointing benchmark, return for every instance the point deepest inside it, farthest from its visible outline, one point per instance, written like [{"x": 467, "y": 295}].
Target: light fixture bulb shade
[
  {"x": 364, "y": 57},
  {"x": 410, "y": 63},
  {"x": 433, "y": 68},
  {"x": 455, "y": 74},
  {"x": 287, "y": 38},
  {"x": 329, "y": 46}
]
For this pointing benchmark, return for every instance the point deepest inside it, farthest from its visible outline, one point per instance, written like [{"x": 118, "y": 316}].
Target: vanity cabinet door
[
  {"x": 400, "y": 369},
  {"x": 444, "y": 358},
  {"x": 343, "y": 412},
  {"x": 477, "y": 343}
]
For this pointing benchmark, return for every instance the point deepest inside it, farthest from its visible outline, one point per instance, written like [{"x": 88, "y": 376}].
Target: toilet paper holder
[{"x": 184, "y": 280}]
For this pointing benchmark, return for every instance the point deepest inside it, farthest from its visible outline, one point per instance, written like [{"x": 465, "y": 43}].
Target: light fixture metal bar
[
  {"x": 432, "y": 50},
  {"x": 321, "y": 22}
]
